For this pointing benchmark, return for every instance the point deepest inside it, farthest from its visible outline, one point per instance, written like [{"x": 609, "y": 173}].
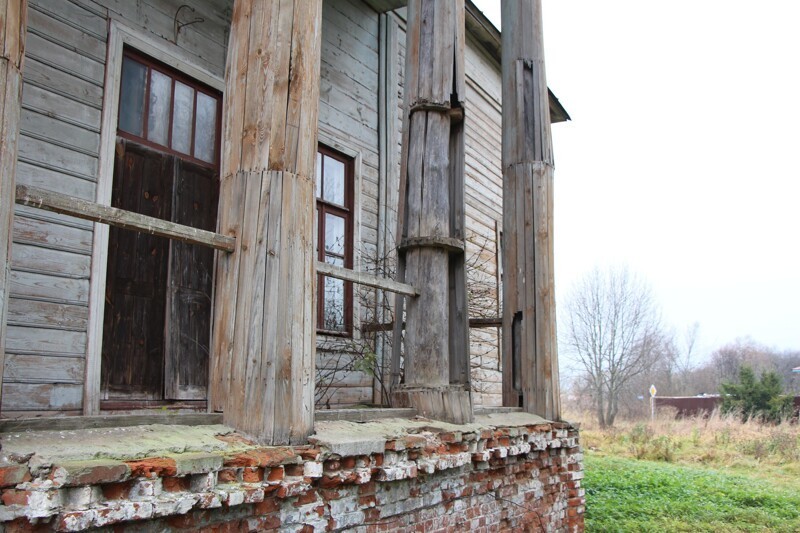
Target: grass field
[{"x": 715, "y": 475}]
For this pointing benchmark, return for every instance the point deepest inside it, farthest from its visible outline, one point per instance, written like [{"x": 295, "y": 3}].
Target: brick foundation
[{"x": 500, "y": 478}]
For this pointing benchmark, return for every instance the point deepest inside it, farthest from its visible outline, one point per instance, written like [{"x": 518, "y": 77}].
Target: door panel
[
  {"x": 188, "y": 331},
  {"x": 133, "y": 328}
]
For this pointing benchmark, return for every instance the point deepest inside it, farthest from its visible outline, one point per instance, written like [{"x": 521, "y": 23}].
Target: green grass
[{"x": 634, "y": 495}]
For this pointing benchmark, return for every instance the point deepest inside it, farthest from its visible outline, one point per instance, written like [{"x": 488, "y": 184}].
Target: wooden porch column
[
  {"x": 530, "y": 352},
  {"x": 262, "y": 371},
  {"x": 13, "y": 17},
  {"x": 431, "y": 247}
]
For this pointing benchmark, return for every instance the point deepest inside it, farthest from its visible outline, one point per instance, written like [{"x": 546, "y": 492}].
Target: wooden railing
[{"x": 103, "y": 214}]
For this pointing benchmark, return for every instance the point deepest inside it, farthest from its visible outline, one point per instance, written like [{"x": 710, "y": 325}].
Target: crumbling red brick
[
  {"x": 227, "y": 475},
  {"x": 293, "y": 470},
  {"x": 269, "y": 505},
  {"x": 252, "y": 474},
  {"x": 13, "y": 475},
  {"x": 117, "y": 491},
  {"x": 153, "y": 467},
  {"x": 275, "y": 474},
  {"x": 175, "y": 484},
  {"x": 15, "y": 497}
]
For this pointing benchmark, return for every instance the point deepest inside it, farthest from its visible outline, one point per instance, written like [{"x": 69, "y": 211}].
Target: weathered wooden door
[
  {"x": 158, "y": 292},
  {"x": 157, "y": 326}
]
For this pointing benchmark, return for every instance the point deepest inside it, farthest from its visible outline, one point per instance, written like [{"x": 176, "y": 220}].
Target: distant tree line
[{"x": 614, "y": 345}]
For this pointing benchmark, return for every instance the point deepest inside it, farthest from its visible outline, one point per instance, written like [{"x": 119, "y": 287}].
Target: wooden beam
[
  {"x": 13, "y": 23},
  {"x": 71, "y": 423},
  {"x": 431, "y": 255},
  {"x": 79, "y": 208},
  {"x": 263, "y": 332},
  {"x": 530, "y": 351},
  {"x": 363, "y": 278}
]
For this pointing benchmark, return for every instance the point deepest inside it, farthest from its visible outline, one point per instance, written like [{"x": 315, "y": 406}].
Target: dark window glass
[
  {"x": 131, "y": 109},
  {"x": 164, "y": 109}
]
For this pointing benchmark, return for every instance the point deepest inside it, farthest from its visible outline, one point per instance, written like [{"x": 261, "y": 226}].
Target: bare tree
[{"x": 612, "y": 329}]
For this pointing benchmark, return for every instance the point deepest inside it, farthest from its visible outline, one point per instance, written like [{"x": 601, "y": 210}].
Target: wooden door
[{"x": 157, "y": 327}]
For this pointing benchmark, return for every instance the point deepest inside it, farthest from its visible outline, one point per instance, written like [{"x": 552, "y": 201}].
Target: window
[
  {"x": 167, "y": 111},
  {"x": 334, "y": 240}
]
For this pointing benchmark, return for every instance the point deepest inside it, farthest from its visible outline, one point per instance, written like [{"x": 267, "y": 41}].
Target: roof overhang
[{"x": 487, "y": 35}]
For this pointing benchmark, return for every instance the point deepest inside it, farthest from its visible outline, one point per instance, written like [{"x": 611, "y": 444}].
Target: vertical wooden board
[
  {"x": 253, "y": 401},
  {"x": 235, "y": 402},
  {"x": 235, "y": 82},
  {"x": 309, "y": 103},
  {"x": 14, "y": 34},
  {"x": 257, "y": 92},
  {"x": 530, "y": 354},
  {"x": 434, "y": 214},
  {"x": 302, "y": 367},
  {"x": 253, "y": 405},
  {"x": 414, "y": 177},
  {"x": 412, "y": 50},
  {"x": 281, "y": 41},
  {"x": 9, "y": 123},
  {"x": 230, "y": 221},
  {"x": 285, "y": 411},
  {"x": 459, "y": 308},
  {"x": 273, "y": 306}
]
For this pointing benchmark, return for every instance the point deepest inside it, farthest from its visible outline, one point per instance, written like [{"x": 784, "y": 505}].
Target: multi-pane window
[
  {"x": 334, "y": 239},
  {"x": 168, "y": 111}
]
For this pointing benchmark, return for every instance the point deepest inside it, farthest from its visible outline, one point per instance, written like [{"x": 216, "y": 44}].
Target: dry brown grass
[{"x": 718, "y": 441}]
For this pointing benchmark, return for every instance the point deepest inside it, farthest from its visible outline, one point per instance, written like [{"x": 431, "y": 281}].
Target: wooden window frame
[
  {"x": 153, "y": 64},
  {"x": 346, "y": 211}
]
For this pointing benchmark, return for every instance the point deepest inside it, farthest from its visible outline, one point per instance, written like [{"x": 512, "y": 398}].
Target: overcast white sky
[{"x": 681, "y": 160}]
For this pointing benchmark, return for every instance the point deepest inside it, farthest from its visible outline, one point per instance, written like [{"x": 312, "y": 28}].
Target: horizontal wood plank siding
[
  {"x": 348, "y": 115},
  {"x": 59, "y": 147},
  {"x": 484, "y": 199}
]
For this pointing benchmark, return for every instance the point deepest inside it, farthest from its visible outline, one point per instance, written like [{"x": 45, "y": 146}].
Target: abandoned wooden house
[{"x": 252, "y": 211}]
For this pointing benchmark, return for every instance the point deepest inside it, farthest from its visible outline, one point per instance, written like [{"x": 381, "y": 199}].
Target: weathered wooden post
[
  {"x": 262, "y": 372},
  {"x": 13, "y": 16},
  {"x": 530, "y": 353},
  {"x": 432, "y": 216}
]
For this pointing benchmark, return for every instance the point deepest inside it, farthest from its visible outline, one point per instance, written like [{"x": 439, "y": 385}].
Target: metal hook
[{"x": 179, "y": 25}]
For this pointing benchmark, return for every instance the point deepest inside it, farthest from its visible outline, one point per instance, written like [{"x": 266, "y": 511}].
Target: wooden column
[
  {"x": 13, "y": 16},
  {"x": 262, "y": 371},
  {"x": 530, "y": 354},
  {"x": 432, "y": 218}
]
